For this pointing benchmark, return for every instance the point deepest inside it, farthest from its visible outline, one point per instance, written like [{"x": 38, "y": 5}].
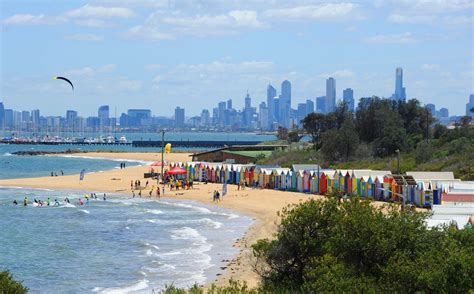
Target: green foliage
[
  {"x": 234, "y": 287},
  {"x": 352, "y": 246},
  {"x": 282, "y": 134},
  {"x": 424, "y": 152},
  {"x": 9, "y": 286}
]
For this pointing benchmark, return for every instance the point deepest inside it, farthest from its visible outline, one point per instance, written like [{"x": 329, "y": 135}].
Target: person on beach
[
  {"x": 140, "y": 193},
  {"x": 133, "y": 193},
  {"x": 62, "y": 173},
  {"x": 146, "y": 184},
  {"x": 52, "y": 174},
  {"x": 151, "y": 192},
  {"x": 158, "y": 192},
  {"x": 131, "y": 184}
]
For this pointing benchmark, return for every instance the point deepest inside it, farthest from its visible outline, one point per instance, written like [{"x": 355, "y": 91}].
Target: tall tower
[
  {"x": 285, "y": 103},
  {"x": 271, "y": 94},
  {"x": 330, "y": 95},
  {"x": 400, "y": 93},
  {"x": 348, "y": 97}
]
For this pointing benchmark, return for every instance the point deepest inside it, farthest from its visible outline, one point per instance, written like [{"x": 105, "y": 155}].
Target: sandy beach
[{"x": 262, "y": 205}]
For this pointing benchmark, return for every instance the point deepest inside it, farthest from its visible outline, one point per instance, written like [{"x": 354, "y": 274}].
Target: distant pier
[{"x": 149, "y": 144}]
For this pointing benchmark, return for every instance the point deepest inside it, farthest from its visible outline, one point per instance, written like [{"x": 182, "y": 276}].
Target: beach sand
[{"x": 262, "y": 205}]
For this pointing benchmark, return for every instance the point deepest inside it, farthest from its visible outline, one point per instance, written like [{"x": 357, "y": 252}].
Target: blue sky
[{"x": 160, "y": 54}]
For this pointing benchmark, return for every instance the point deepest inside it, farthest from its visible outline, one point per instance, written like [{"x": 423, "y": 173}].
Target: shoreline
[{"x": 261, "y": 205}]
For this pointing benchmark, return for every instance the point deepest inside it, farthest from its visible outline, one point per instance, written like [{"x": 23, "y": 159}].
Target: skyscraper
[
  {"x": 321, "y": 104},
  {"x": 285, "y": 103},
  {"x": 103, "y": 115},
  {"x": 263, "y": 116},
  {"x": 348, "y": 97},
  {"x": 469, "y": 106},
  {"x": 248, "y": 101},
  {"x": 330, "y": 95},
  {"x": 229, "y": 104},
  {"x": 179, "y": 116},
  {"x": 400, "y": 93},
  {"x": 271, "y": 94},
  {"x": 205, "y": 118},
  {"x": 2, "y": 114},
  {"x": 222, "y": 107},
  {"x": 309, "y": 106},
  {"x": 71, "y": 116},
  {"x": 432, "y": 108}
]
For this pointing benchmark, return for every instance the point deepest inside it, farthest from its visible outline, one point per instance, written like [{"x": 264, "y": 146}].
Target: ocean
[{"x": 120, "y": 245}]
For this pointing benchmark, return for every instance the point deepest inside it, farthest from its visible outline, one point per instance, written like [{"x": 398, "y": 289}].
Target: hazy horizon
[{"x": 164, "y": 53}]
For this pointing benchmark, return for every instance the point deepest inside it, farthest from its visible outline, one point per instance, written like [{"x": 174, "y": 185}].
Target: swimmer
[
  {"x": 56, "y": 202},
  {"x": 80, "y": 202},
  {"x": 25, "y": 201},
  {"x": 105, "y": 197},
  {"x": 14, "y": 202}
]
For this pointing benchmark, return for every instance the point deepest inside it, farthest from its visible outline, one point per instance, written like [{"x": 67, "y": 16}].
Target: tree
[
  {"x": 339, "y": 145},
  {"x": 352, "y": 246},
  {"x": 9, "y": 285},
  {"x": 295, "y": 136},
  {"x": 315, "y": 124},
  {"x": 282, "y": 133}
]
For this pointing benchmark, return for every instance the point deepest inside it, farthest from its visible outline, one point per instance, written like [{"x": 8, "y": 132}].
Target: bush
[
  {"x": 9, "y": 285},
  {"x": 333, "y": 246}
]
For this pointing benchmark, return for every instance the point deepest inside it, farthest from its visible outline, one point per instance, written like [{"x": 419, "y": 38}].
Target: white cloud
[
  {"x": 94, "y": 23},
  {"x": 147, "y": 33},
  {"x": 432, "y": 19},
  {"x": 430, "y": 67},
  {"x": 328, "y": 11},
  {"x": 85, "y": 37},
  {"x": 152, "y": 66},
  {"x": 344, "y": 73},
  {"x": 403, "y": 38},
  {"x": 90, "y": 11},
  {"x": 30, "y": 19},
  {"x": 128, "y": 85},
  {"x": 89, "y": 71},
  {"x": 429, "y": 6}
]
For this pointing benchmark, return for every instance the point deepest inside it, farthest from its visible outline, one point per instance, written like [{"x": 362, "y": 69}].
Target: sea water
[
  {"x": 19, "y": 166},
  {"x": 120, "y": 245}
]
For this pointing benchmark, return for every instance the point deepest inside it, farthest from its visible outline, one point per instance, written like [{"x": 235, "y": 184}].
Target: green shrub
[{"x": 9, "y": 286}]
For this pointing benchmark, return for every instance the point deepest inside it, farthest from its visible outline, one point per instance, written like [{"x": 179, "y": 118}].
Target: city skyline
[{"x": 128, "y": 54}]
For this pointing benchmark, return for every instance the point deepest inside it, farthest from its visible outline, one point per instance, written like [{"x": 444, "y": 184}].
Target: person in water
[
  {"x": 56, "y": 202},
  {"x": 48, "y": 201},
  {"x": 25, "y": 201},
  {"x": 80, "y": 201},
  {"x": 14, "y": 202},
  {"x": 105, "y": 197},
  {"x": 66, "y": 200}
]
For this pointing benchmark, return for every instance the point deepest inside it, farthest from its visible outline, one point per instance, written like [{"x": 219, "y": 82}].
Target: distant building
[
  {"x": 2, "y": 114},
  {"x": 248, "y": 112},
  {"x": 348, "y": 97},
  {"x": 263, "y": 113},
  {"x": 285, "y": 104},
  {"x": 470, "y": 106},
  {"x": 229, "y": 104},
  {"x": 330, "y": 102},
  {"x": 432, "y": 108},
  {"x": 35, "y": 119},
  {"x": 179, "y": 117},
  {"x": 271, "y": 94},
  {"x": 137, "y": 117},
  {"x": 400, "y": 92},
  {"x": 104, "y": 116},
  {"x": 71, "y": 116},
  {"x": 205, "y": 118},
  {"x": 309, "y": 106},
  {"x": 321, "y": 104},
  {"x": 8, "y": 118},
  {"x": 300, "y": 112},
  {"x": 444, "y": 112}
]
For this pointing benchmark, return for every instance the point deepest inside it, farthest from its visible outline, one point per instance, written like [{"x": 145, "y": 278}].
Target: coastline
[{"x": 261, "y": 205}]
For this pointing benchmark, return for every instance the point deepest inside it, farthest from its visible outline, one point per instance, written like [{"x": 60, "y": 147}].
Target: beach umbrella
[{"x": 176, "y": 171}]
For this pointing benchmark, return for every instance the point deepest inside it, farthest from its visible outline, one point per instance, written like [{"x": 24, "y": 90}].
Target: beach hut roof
[
  {"x": 370, "y": 173},
  {"x": 431, "y": 176},
  {"x": 305, "y": 167}
]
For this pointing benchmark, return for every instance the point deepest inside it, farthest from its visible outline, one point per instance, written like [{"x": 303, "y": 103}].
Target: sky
[{"x": 159, "y": 54}]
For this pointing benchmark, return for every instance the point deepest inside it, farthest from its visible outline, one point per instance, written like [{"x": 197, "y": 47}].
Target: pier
[{"x": 139, "y": 144}]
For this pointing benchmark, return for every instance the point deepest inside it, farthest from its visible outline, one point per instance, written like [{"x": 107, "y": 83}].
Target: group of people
[
  {"x": 54, "y": 174},
  {"x": 122, "y": 165},
  {"x": 176, "y": 184},
  {"x": 66, "y": 200}
]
